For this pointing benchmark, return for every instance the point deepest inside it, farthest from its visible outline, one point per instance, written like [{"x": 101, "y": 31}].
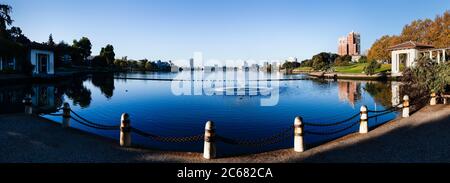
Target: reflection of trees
[
  {"x": 11, "y": 98},
  {"x": 105, "y": 81},
  {"x": 381, "y": 92},
  {"x": 322, "y": 83},
  {"x": 79, "y": 94}
]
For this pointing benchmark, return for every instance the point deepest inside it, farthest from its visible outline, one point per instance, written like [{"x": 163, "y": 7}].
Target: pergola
[{"x": 406, "y": 53}]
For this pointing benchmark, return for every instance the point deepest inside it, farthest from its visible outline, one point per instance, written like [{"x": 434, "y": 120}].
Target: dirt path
[{"x": 423, "y": 137}]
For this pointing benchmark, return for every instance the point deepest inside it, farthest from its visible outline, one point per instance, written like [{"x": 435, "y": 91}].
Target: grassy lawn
[
  {"x": 359, "y": 68},
  {"x": 304, "y": 69}
]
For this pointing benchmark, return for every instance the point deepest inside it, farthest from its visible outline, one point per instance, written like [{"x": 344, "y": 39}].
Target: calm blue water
[{"x": 155, "y": 108}]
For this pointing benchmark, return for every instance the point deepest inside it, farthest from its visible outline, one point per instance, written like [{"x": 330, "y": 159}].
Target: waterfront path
[{"x": 423, "y": 137}]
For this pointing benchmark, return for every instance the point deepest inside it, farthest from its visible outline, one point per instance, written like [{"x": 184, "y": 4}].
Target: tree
[
  {"x": 323, "y": 60},
  {"x": 61, "y": 49},
  {"x": 371, "y": 67},
  {"x": 150, "y": 66},
  {"x": 99, "y": 61},
  {"x": 342, "y": 60},
  {"x": 5, "y": 19},
  {"x": 15, "y": 34},
  {"x": 50, "y": 41},
  {"x": 143, "y": 63},
  {"x": 306, "y": 63},
  {"x": 108, "y": 53},
  {"x": 290, "y": 65},
  {"x": 427, "y": 76},
  {"x": 84, "y": 47},
  {"x": 434, "y": 32},
  {"x": 363, "y": 59}
]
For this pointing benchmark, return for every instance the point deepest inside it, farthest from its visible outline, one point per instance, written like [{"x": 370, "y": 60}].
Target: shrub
[{"x": 371, "y": 67}]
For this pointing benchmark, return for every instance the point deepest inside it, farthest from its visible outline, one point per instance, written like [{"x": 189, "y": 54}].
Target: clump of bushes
[{"x": 371, "y": 67}]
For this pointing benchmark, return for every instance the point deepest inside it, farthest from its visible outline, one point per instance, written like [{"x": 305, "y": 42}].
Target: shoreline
[
  {"x": 352, "y": 76},
  {"x": 43, "y": 140}
]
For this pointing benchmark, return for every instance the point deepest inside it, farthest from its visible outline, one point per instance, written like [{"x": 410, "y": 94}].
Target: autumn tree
[{"x": 434, "y": 32}]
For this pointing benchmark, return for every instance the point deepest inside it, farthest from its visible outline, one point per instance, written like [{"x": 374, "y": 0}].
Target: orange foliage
[{"x": 435, "y": 32}]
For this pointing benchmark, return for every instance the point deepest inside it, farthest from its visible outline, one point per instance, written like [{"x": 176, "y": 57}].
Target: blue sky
[{"x": 224, "y": 29}]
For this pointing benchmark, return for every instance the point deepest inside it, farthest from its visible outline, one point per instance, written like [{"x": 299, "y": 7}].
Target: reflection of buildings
[
  {"x": 43, "y": 98},
  {"x": 191, "y": 64},
  {"x": 349, "y": 91}
]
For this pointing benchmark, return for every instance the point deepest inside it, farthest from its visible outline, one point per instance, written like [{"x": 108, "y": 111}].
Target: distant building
[
  {"x": 350, "y": 44},
  {"x": 245, "y": 66},
  {"x": 292, "y": 59},
  {"x": 191, "y": 64}
]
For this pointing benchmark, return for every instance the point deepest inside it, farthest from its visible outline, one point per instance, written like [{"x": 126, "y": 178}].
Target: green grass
[
  {"x": 359, "y": 68},
  {"x": 304, "y": 69}
]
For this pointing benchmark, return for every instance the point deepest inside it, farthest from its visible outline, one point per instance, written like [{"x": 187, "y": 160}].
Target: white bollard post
[
  {"x": 66, "y": 115},
  {"x": 125, "y": 130},
  {"x": 209, "y": 149},
  {"x": 363, "y": 126},
  {"x": 28, "y": 103},
  {"x": 298, "y": 134},
  {"x": 405, "y": 112},
  {"x": 433, "y": 99}
]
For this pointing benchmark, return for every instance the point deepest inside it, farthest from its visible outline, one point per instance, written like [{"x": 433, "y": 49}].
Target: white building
[
  {"x": 43, "y": 61},
  {"x": 406, "y": 54}
]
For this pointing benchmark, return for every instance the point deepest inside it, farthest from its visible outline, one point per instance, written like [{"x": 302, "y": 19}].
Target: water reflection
[
  {"x": 48, "y": 97},
  {"x": 349, "y": 91},
  {"x": 104, "y": 81},
  {"x": 154, "y": 108}
]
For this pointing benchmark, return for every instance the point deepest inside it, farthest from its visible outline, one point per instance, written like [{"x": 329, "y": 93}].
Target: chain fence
[
  {"x": 349, "y": 122},
  {"x": 90, "y": 123},
  {"x": 276, "y": 138},
  {"x": 194, "y": 138},
  {"x": 332, "y": 124}
]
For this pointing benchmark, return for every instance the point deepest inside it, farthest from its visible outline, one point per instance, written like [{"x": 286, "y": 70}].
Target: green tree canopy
[
  {"x": 5, "y": 17},
  {"x": 108, "y": 53},
  {"x": 84, "y": 46},
  {"x": 50, "y": 41}
]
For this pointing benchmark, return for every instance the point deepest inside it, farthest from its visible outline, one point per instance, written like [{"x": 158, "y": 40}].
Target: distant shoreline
[{"x": 352, "y": 76}]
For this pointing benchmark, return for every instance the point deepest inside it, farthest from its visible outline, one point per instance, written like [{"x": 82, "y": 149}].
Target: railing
[{"x": 298, "y": 130}]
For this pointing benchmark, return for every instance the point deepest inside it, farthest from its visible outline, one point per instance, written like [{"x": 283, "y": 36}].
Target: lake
[{"x": 243, "y": 105}]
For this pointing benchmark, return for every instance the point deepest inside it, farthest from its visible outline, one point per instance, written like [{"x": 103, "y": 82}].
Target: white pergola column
[
  {"x": 431, "y": 55},
  {"x": 444, "y": 55},
  {"x": 438, "y": 56},
  {"x": 394, "y": 62}
]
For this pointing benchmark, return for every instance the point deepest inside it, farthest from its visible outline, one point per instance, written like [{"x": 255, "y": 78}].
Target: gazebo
[{"x": 406, "y": 54}]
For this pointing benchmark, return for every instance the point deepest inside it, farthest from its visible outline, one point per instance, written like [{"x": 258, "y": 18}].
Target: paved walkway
[{"x": 424, "y": 137}]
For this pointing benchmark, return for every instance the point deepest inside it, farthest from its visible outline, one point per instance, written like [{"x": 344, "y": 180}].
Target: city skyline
[{"x": 245, "y": 30}]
